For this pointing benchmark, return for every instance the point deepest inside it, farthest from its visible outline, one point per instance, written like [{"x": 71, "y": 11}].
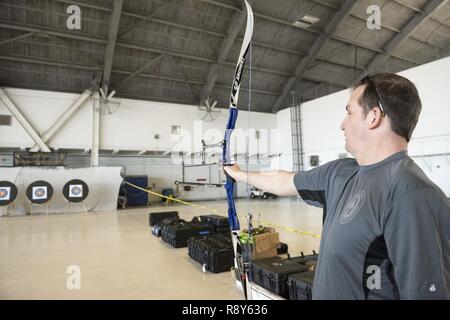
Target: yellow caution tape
[
  {"x": 173, "y": 199},
  {"x": 209, "y": 209}
]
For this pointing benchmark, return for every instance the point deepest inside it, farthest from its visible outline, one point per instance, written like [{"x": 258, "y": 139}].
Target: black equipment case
[
  {"x": 305, "y": 259},
  {"x": 216, "y": 220},
  {"x": 215, "y": 252},
  {"x": 301, "y": 285},
  {"x": 157, "y": 228},
  {"x": 156, "y": 217},
  {"x": 272, "y": 274},
  {"x": 178, "y": 234},
  {"x": 220, "y": 223}
]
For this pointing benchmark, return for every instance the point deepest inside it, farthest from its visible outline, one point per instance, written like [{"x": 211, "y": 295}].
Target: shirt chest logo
[{"x": 352, "y": 207}]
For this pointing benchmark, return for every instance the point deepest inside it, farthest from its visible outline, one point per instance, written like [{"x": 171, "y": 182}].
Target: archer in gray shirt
[{"x": 386, "y": 231}]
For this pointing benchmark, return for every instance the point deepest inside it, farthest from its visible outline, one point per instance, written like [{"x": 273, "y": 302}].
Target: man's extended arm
[{"x": 278, "y": 182}]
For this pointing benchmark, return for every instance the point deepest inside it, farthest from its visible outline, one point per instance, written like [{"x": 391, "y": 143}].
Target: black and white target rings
[
  {"x": 8, "y": 192},
  {"x": 39, "y": 192},
  {"x": 75, "y": 190}
]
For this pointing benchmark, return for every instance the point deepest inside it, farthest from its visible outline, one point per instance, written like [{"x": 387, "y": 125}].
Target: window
[
  {"x": 5, "y": 120},
  {"x": 176, "y": 130},
  {"x": 314, "y": 161}
]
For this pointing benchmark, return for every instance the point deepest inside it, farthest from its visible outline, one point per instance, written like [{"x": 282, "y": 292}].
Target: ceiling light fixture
[{"x": 305, "y": 21}]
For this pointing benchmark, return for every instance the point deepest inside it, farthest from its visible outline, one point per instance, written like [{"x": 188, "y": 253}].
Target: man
[{"x": 386, "y": 231}]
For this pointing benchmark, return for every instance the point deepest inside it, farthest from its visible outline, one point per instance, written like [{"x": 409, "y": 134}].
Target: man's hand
[{"x": 235, "y": 172}]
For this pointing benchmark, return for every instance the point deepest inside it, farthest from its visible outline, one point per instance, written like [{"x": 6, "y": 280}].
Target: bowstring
[{"x": 249, "y": 215}]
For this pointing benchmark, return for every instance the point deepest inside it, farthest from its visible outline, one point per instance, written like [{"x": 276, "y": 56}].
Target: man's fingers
[{"x": 228, "y": 170}]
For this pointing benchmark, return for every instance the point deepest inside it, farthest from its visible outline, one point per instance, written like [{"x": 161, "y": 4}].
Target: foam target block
[
  {"x": 39, "y": 192},
  {"x": 75, "y": 190},
  {"x": 8, "y": 192}
]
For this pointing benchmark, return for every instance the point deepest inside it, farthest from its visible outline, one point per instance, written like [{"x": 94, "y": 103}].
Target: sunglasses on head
[{"x": 368, "y": 79}]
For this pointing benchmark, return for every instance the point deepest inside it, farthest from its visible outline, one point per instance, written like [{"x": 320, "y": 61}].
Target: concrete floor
[{"x": 119, "y": 258}]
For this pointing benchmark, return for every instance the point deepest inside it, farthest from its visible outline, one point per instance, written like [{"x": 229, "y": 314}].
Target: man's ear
[{"x": 374, "y": 117}]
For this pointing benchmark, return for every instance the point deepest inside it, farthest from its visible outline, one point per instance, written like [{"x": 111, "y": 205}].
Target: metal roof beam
[
  {"x": 111, "y": 45},
  {"x": 142, "y": 20},
  {"x": 407, "y": 29},
  {"x": 50, "y": 62},
  {"x": 334, "y": 37},
  {"x": 215, "y": 33},
  {"x": 149, "y": 49},
  {"x": 191, "y": 57},
  {"x": 184, "y": 80},
  {"x": 338, "y": 18},
  {"x": 286, "y": 23},
  {"x": 67, "y": 64},
  {"x": 38, "y": 29},
  {"x": 137, "y": 72},
  {"x": 77, "y": 90},
  {"x": 84, "y": 4},
  {"x": 225, "y": 48},
  {"x": 17, "y": 38},
  {"x": 443, "y": 22}
]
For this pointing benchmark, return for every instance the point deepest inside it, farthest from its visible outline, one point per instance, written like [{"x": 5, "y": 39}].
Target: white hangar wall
[{"x": 133, "y": 128}]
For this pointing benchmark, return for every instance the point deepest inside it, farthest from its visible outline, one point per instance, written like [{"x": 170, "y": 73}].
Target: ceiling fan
[
  {"x": 206, "y": 112},
  {"x": 108, "y": 105}
]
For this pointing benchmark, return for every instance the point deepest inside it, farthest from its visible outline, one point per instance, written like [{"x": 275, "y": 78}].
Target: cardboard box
[{"x": 264, "y": 245}]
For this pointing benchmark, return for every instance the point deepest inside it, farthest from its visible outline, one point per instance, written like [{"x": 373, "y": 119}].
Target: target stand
[
  {"x": 39, "y": 193},
  {"x": 75, "y": 192},
  {"x": 8, "y": 193},
  {"x": 5, "y": 208}
]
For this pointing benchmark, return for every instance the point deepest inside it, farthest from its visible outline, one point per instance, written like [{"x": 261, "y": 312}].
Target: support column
[{"x": 95, "y": 129}]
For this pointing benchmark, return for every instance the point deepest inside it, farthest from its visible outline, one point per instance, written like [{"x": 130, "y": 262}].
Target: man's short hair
[{"x": 400, "y": 100}]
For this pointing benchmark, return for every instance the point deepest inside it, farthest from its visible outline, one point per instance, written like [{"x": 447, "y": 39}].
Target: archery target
[
  {"x": 39, "y": 192},
  {"x": 5, "y": 193},
  {"x": 75, "y": 190},
  {"x": 8, "y": 192}
]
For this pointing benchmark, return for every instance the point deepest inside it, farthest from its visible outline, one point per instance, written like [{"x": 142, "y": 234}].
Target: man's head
[{"x": 380, "y": 106}]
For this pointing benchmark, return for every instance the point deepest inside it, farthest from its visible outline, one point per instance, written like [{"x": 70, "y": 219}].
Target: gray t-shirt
[{"x": 386, "y": 232}]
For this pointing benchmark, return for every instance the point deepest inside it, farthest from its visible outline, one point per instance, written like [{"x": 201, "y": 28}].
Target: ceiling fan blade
[
  {"x": 109, "y": 111},
  {"x": 102, "y": 93},
  {"x": 111, "y": 94},
  {"x": 214, "y": 104}
]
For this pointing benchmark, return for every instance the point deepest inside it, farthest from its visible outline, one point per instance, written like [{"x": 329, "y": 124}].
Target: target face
[
  {"x": 5, "y": 193},
  {"x": 39, "y": 192},
  {"x": 8, "y": 192},
  {"x": 75, "y": 190}
]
